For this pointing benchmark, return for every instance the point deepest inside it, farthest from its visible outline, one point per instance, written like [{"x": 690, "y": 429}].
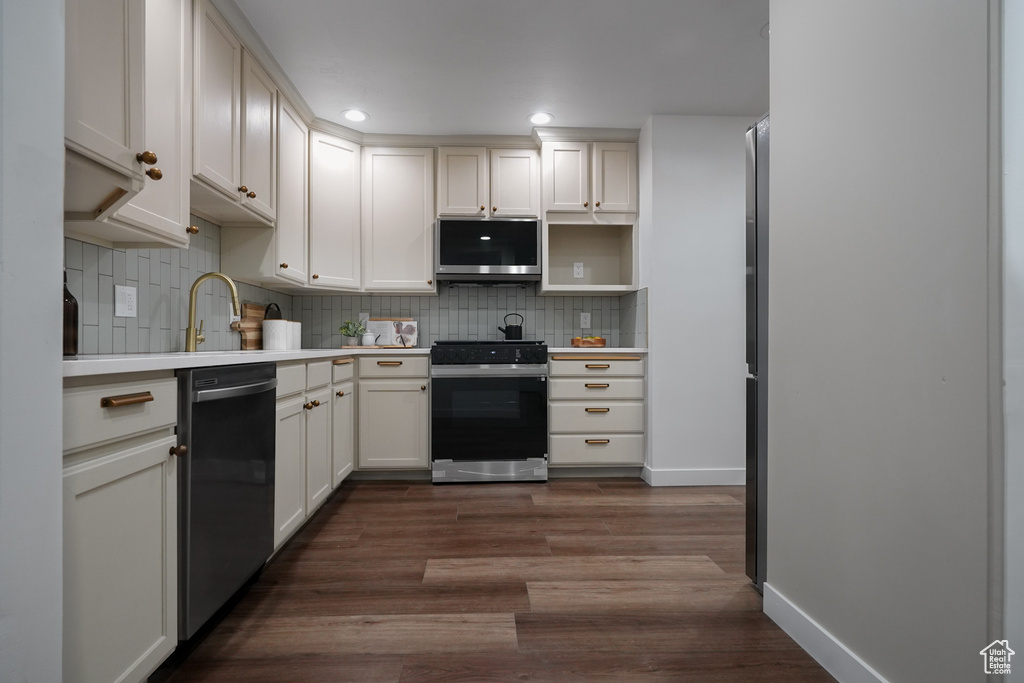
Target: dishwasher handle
[{"x": 202, "y": 395}]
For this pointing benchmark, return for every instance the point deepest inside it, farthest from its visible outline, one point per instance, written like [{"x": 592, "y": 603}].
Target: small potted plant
[{"x": 351, "y": 331}]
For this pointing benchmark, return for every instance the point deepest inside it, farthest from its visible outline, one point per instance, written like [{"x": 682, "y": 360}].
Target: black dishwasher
[{"x": 226, "y": 421}]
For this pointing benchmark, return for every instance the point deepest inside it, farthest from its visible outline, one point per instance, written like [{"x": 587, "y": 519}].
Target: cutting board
[{"x": 251, "y": 326}]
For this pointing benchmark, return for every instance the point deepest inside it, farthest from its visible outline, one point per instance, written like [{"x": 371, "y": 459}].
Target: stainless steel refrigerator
[{"x": 757, "y": 351}]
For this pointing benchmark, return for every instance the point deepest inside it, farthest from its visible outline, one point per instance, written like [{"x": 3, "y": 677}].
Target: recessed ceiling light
[
  {"x": 540, "y": 118},
  {"x": 484, "y": 237},
  {"x": 355, "y": 115}
]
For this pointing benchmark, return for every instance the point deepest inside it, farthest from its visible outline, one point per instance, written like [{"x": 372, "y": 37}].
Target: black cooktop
[{"x": 490, "y": 351}]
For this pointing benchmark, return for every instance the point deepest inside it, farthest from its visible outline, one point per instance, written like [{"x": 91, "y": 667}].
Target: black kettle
[
  {"x": 512, "y": 332},
  {"x": 272, "y": 312}
]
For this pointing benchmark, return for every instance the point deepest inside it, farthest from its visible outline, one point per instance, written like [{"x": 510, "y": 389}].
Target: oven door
[{"x": 488, "y": 412}]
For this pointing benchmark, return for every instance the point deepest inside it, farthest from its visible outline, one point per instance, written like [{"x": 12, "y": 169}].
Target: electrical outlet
[
  {"x": 126, "y": 302},
  {"x": 585, "y": 321},
  {"x": 577, "y": 270}
]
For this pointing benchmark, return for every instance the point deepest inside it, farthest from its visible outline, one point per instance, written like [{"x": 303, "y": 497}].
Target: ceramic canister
[{"x": 275, "y": 335}]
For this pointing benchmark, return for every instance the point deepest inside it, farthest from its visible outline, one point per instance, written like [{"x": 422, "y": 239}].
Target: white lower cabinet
[
  {"x": 596, "y": 411},
  {"x": 394, "y": 412},
  {"x": 120, "y": 527},
  {"x": 343, "y": 415},
  {"x": 290, "y": 467}
]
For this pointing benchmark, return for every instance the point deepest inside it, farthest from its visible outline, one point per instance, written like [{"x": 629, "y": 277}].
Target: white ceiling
[{"x": 462, "y": 67}]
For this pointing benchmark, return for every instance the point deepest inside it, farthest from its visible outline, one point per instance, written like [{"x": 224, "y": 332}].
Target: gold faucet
[{"x": 192, "y": 337}]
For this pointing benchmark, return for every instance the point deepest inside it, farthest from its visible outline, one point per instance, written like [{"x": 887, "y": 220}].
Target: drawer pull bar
[
  {"x": 125, "y": 399},
  {"x": 592, "y": 357},
  {"x": 597, "y": 441},
  {"x": 597, "y": 366},
  {"x": 389, "y": 362},
  {"x": 596, "y": 386},
  {"x": 343, "y": 361},
  {"x": 598, "y": 410}
]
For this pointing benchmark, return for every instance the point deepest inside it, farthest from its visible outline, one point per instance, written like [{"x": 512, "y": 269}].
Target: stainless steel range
[{"x": 489, "y": 411}]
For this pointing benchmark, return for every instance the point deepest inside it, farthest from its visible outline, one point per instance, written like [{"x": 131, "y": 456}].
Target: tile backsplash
[{"x": 163, "y": 278}]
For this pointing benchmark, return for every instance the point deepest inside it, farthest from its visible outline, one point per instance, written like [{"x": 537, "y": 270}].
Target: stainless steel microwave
[{"x": 487, "y": 250}]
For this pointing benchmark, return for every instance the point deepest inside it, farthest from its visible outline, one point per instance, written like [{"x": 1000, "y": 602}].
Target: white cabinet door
[
  {"x": 343, "y": 431},
  {"x": 319, "y": 464},
  {"x": 161, "y": 210},
  {"x": 566, "y": 176},
  {"x": 259, "y": 153},
  {"x": 290, "y": 469},
  {"x": 615, "y": 176},
  {"x": 515, "y": 182},
  {"x": 398, "y": 220},
  {"x": 290, "y": 234},
  {"x": 393, "y": 423},
  {"x": 334, "y": 249},
  {"x": 462, "y": 181},
  {"x": 120, "y": 563},
  {"x": 105, "y": 59},
  {"x": 216, "y": 117}
]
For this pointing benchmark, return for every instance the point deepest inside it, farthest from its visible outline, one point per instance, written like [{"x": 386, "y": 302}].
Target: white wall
[
  {"x": 693, "y": 260},
  {"x": 31, "y": 235},
  {"x": 1013, "y": 322},
  {"x": 879, "y": 458}
]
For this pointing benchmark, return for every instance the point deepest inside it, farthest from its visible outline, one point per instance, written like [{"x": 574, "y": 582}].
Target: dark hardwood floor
[{"x": 573, "y": 580}]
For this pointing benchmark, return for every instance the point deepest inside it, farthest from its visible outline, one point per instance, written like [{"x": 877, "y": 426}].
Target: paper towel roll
[{"x": 276, "y": 335}]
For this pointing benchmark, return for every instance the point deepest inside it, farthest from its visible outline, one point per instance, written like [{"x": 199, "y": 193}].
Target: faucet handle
[{"x": 199, "y": 334}]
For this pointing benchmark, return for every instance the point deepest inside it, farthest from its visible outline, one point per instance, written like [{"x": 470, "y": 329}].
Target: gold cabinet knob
[
  {"x": 494, "y": 208},
  {"x": 192, "y": 229},
  {"x": 340, "y": 394},
  {"x": 308, "y": 406},
  {"x": 586, "y": 204},
  {"x": 316, "y": 276},
  {"x": 596, "y": 204},
  {"x": 284, "y": 265},
  {"x": 483, "y": 208},
  {"x": 243, "y": 188},
  {"x": 155, "y": 173},
  {"x": 251, "y": 195},
  {"x": 179, "y": 450},
  {"x": 430, "y": 282},
  {"x": 147, "y": 157},
  {"x": 423, "y": 387},
  {"x": 316, "y": 404}
]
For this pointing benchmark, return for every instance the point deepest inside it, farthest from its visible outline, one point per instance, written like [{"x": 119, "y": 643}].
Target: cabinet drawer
[
  {"x": 393, "y": 366},
  {"x": 95, "y": 413},
  {"x": 596, "y": 449},
  {"x": 596, "y": 388},
  {"x": 343, "y": 369},
  {"x": 596, "y": 416},
  {"x": 318, "y": 374},
  {"x": 291, "y": 379},
  {"x": 598, "y": 366}
]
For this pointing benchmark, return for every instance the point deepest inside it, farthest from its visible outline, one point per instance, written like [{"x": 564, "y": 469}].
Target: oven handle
[{"x": 445, "y": 371}]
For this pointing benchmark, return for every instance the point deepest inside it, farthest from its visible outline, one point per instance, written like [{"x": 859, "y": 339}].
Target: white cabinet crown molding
[{"x": 550, "y": 134}]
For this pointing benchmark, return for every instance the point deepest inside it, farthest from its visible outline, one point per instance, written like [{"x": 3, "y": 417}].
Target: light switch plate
[
  {"x": 126, "y": 302},
  {"x": 577, "y": 270},
  {"x": 585, "y": 321}
]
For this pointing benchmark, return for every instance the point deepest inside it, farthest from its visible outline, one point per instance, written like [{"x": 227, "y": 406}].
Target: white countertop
[{"x": 113, "y": 363}]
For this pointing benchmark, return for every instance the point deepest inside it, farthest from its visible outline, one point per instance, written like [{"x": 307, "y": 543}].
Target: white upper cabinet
[
  {"x": 566, "y": 176},
  {"x": 584, "y": 177},
  {"x": 233, "y": 137},
  {"x": 515, "y": 182},
  {"x": 292, "y": 210},
  {"x": 462, "y": 181},
  {"x": 398, "y": 220},
  {"x": 615, "y": 177},
  {"x": 159, "y": 214},
  {"x": 472, "y": 181},
  {"x": 259, "y": 161},
  {"x": 334, "y": 249},
  {"x": 104, "y": 107}
]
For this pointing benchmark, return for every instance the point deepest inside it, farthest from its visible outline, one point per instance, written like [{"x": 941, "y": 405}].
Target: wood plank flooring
[{"x": 573, "y": 580}]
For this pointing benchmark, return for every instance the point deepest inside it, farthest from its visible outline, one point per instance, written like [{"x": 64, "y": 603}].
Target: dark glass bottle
[{"x": 70, "y": 321}]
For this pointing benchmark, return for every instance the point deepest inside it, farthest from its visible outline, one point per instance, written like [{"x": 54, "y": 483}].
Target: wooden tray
[{"x": 583, "y": 343}]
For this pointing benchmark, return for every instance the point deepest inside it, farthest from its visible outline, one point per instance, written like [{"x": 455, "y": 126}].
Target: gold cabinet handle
[
  {"x": 598, "y": 410},
  {"x": 340, "y": 394},
  {"x": 343, "y": 361},
  {"x": 192, "y": 229},
  {"x": 126, "y": 399},
  {"x": 596, "y": 386},
  {"x": 155, "y": 173},
  {"x": 597, "y": 441},
  {"x": 586, "y": 204},
  {"x": 243, "y": 188},
  {"x": 179, "y": 450},
  {"x": 308, "y": 406},
  {"x": 251, "y": 195},
  {"x": 316, "y": 276},
  {"x": 389, "y": 362},
  {"x": 597, "y": 366},
  {"x": 147, "y": 157},
  {"x": 284, "y": 265}
]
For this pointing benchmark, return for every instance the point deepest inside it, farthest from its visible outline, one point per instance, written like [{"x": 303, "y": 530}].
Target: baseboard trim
[
  {"x": 725, "y": 476},
  {"x": 825, "y": 648}
]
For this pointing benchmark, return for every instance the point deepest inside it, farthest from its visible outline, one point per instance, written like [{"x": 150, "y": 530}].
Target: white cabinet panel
[
  {"x": 319, "y": 463},
  {"x": 259, "y": 154},
  {"x": 334, "y": 240},
  {"x": 566, "y": 176},
  {"x": 515, "y": 182},
  {"x": 291, "y": 231},
  {"x": 217, "y": 137},
  {"x": 343, "y": 430},
  {"x": 290, "y": 469},
  {"x": 393, "y": 423},
  {"x": 462, "y": 181},
  {"x": 615, "y": 177}
]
